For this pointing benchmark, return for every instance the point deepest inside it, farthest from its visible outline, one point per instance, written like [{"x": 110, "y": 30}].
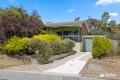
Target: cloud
[
  {"x": 114, "y": 14},
  {"x": 70, "y": 10},
  {"x": 105, "y": 2}
]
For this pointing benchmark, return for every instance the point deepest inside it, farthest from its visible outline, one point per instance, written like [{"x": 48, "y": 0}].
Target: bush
[
  {"x": 61, "y": 47},
  {"x": 43, "y": 48},
  {"x": 70, "y": 44},
  {"x": 58, "y": 47},
  {"x": 16, "y": 45},
  {"x": 115, "y": 35},
  {"x": 48, "y": 37},
  {"x": 101, "y": 46}
]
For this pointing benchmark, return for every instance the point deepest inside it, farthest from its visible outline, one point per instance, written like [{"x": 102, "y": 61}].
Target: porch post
[
  {"x": 62, "y": 34},
  {"x": 78, "y": 34}
]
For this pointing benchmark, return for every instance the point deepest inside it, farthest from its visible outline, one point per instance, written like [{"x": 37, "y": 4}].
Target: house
[{"x": 72, "y": 30}]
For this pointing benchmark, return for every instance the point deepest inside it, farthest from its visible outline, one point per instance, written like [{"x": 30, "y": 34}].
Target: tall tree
[{"x": 105, "y": 20}]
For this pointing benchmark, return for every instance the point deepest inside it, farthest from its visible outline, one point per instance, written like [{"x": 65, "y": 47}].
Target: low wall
[{"x": 114, "y": 42}]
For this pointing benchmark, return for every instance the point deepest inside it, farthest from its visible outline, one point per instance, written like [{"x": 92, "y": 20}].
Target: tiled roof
[{"x": 64, "y": 24}]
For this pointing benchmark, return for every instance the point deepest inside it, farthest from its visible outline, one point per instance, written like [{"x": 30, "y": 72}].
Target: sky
[{"x": 67, "y": 10}]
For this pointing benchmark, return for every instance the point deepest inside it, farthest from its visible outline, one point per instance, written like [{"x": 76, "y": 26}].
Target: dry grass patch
[
  {"x": 107, "y": 67},
  {"x": 6, "y": 61}
]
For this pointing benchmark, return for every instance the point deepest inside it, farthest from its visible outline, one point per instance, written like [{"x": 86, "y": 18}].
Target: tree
[
  {"x": 112, "y": 26},
  {"x": 92, "y": 22},
  {"x": 16, "y": 21},
  {"x": 105, "y": 20},
  {"x": 112, "y": 23},
  {"x": 77, "y": 19},
  {"x": 105, "y": 17}
]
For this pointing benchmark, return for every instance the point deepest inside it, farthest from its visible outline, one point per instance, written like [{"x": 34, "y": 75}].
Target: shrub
[
  {"x": 61, "y": 47},
  {"x": 58, "y": 47},
  {"x": 48, "y": 37},
  {"x": 70, "y": 44},
  {"x": 43, "y": 48},
  {"x": 16, "y": 45},
  {"x": 101, "y": 46},
  {"x": 115, "y": 35}
]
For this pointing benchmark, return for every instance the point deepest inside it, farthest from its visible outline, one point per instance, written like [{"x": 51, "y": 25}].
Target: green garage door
[{"x": 88, "y": 45}]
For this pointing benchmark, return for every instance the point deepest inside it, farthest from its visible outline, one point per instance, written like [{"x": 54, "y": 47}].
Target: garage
[{"x": 87, "y": 42}]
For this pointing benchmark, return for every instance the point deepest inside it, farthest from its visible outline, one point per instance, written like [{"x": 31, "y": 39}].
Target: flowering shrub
[
  {"x": 48, "y": 37},
  {"x": 16, "y": 45}
]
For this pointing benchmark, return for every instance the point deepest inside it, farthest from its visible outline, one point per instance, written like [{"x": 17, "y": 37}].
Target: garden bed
[
  {"x": 57, "y": 57},
  {"x": 107, "y": 67},
  {"x": 6, "y": 61}
]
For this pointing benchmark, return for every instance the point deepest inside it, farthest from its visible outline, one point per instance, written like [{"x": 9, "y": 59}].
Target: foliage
[
  {"x": 105, "y": 17},
  {"x": 70, "y": 43},
  {"x": 47, "y": 37},
  {"x": 58, "y": 47},
  {"x": 16, "y": 45},
  {"x": 43, "y": 48},
  {"x": 16, "y": 21},
  {"x": 101, "y": 46},
  {"x": 39, "y": 45},
  {"x": 42, "y": 31},
  {"x": 112, "y": 23},
  {"x": 104, "y": 24},
  {"x": 61, "y": 47},
  {"x": 115, "y": 35}
]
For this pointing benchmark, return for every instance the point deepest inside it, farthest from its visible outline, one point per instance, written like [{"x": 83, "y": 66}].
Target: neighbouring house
[{"x": 72, "y": 30}]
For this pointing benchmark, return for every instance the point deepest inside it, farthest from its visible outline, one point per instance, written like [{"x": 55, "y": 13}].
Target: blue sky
[{"x": 67, "y": 10}]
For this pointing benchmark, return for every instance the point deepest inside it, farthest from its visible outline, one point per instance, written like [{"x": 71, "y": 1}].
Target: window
[
  {"x": 59, "y": 33},
  {"x": 76, "y": 32}
]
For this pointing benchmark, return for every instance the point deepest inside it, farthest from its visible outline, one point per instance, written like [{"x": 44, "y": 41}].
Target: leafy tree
[
  {"x": 16, "y": 21},
  {"x": 77, "y": 18},
  {"x": 105, "y": 20},
  {"x": 92, "y": 22},
  {"x": 112, "y": 26},
  {"x": 112, "y": 23}
]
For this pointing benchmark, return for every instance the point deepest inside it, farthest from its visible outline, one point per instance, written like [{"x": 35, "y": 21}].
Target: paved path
[{"x": 73, "y": 66}]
